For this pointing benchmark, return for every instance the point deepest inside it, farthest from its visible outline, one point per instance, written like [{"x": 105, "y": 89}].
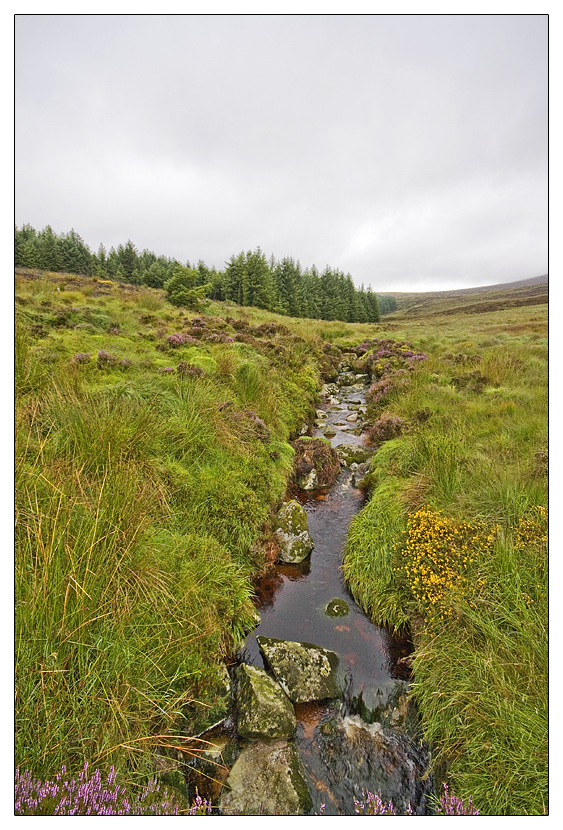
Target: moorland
[{"x": 153, "y": 446}]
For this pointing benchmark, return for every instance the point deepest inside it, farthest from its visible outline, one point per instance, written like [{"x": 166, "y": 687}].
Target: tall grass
[
  {"x": 142, "y": 496},
  {"x": 473, "y": 450}
]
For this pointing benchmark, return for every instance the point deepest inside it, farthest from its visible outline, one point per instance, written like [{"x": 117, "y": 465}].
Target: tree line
[{"x": 248, "y": 278}]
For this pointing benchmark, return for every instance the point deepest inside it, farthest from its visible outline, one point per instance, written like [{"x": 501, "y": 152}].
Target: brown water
[{"x": 291, "y": 601}]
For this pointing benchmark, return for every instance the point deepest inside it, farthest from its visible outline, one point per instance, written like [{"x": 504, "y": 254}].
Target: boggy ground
[{"x": 151, "y": 452}]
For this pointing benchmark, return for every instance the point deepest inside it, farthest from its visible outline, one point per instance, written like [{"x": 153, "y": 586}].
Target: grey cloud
[{"x": 401, "y": 149}]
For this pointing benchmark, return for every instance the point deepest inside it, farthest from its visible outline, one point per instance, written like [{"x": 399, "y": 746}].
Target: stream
[{"x": 337, "y": 741}]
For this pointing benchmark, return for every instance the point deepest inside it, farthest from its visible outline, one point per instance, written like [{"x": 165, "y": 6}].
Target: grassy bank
[
  {"x": 151, "y": 451},
  {"x": 453, "y": 542}
]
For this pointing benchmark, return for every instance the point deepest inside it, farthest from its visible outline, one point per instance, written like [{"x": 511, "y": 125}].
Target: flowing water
[
  {"x": 292, "y": 601},
  {"x": 339, "y": 759}
]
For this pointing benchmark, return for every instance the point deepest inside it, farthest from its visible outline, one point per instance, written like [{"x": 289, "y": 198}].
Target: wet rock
[
  {"x": 388, "y": 705},
  {"x": 337, "y": 608},
  {"x": 267, "y": 779},
  {"x": 292, "y": 533},
  {"x": 320, "y": 413},
  {"x": 353, "y": 417},
  {"x": 304, "y": 671},
  {"x": 346, "y": 379},
  {"x": 328, "y": 389},
  {"x": 347, "y": 361},
  {"x": 329, "y": 431},
  {"x": 359, "y": 478},
  {"x": 264, "y": 710},
  {"x": 353, "y": 453},
  {"x": 316, "y": 464},
  {"x": 358, "y": 757}
]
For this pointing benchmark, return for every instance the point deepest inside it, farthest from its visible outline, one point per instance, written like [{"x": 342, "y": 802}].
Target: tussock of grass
[
  {"x": 477, "y": 455},
  {"x": 142, "y": 495}
]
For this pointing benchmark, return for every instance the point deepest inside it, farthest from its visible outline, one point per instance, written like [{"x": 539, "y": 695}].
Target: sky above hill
[{"x": 407, "y": 150}]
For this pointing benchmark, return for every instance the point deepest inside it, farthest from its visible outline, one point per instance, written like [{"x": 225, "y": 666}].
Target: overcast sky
[{"x": 409, "y": 151}]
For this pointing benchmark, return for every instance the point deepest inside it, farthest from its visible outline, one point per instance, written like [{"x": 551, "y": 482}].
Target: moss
[{"x": 337, "y": 608}]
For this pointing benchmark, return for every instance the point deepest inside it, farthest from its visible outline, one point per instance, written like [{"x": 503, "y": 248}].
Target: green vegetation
[
  {"x": 248, "y": 279},
  {"x": 152, "y": 450},
  {"x": 452, "y": 543}
]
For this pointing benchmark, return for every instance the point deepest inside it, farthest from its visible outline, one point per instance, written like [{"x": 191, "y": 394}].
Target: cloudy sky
[{"x": 407, "y": 150}]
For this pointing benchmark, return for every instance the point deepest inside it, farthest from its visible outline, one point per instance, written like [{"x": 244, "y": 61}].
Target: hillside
[
  {"x": 533, "y": 291},
  {"x": 153, "y": 447}
]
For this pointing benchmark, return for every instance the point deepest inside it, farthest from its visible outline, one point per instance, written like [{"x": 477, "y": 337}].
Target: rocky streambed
[{"x": 320, "y": 696}]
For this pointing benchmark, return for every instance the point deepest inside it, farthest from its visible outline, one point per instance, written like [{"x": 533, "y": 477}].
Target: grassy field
[
  {"x": 151, "y": 452},
  {"x": 150, "y": 455},
  {"x": 453, "y": 544}
]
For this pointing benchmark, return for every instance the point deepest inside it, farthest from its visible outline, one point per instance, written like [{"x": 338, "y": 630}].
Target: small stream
[{"x": 291, "y": 600}]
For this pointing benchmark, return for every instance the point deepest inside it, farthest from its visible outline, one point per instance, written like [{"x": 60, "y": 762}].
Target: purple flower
[
  {"x": 451, "y": 805},
  {"x": 87, "y": 796},
  {"x": 180, "y": 338},
  {"x": 186, "y": 370},
  {"x": 105, "y": 359}
]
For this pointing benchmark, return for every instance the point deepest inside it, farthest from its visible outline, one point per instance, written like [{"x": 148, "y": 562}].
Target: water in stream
[{"x": 336, "y": 750}]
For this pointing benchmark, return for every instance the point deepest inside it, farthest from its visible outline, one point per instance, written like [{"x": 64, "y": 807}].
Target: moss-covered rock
[
  {"x": 350, "y": 453},
  {"x": 305, "y": 671},
  {"x": 316, "y": 464},
  {"x": 263, "y": 708},
  {"x": 267, "y": 779},
  {"x": 292, "y": 533},
  {"x": 337, "y": 608}
]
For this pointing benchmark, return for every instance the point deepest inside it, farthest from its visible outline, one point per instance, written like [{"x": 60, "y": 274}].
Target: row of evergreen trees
[{"x": 248, "y": 279}]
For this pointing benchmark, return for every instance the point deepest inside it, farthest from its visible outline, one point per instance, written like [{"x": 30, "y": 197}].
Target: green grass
[
  {"x": 479, "y": 455},
  {"x": 143, "y": 506}
]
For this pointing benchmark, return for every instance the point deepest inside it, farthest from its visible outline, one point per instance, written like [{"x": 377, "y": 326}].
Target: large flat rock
[
  {"x": 305, "y": 671},
  {"x": 267, "y": 779}
]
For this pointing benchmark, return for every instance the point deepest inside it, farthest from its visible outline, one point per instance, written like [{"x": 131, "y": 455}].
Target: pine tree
[
  {"x": 258, "y": 285},
  {"x": 128, "y": 258},
  {"x": 49, "y": 253}
]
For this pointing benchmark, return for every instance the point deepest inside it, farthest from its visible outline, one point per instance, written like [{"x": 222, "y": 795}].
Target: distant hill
[{"x": 532, "y": 291}]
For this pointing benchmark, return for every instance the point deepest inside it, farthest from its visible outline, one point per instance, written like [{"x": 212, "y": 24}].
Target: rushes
[
  {"x": 140, "y": 504},
  {"x": 454, "y": 542}
]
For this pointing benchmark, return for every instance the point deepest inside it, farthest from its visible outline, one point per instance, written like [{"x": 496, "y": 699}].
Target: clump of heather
[
  {"x": 451, "y": 805},
  {"x": 385, "y": 428},
  {"x": 386, "y": 355},
  {"x": 87, "y": 796},
  {"x": 217, "y": 337},
  {"x": 374, "y": 806},
  {"x": 105, "y": 359},
  {"x": 167, "y": 370},
  {"x": 448, "y": 805},
  {"x": 180, "y": 338},
  {"x": 188, "y": 370},
  {"x": 380, "y": 390},
  {"x": 82, "y": 357},
  {"x": 200, "y": 807},
  {"x": 259, "y": 427}
]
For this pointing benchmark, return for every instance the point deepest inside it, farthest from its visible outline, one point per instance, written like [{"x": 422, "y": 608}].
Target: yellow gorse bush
[
  {"x": 433, "y": 558},
  {"x": 531, "y": 532}
]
